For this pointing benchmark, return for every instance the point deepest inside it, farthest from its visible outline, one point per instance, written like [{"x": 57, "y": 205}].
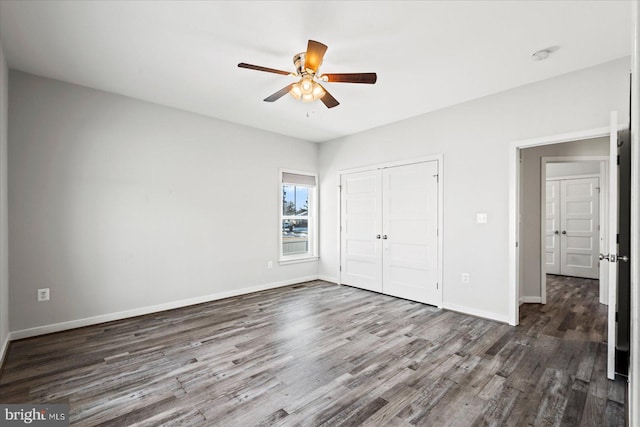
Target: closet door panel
[
  {"x": 552, "y": 228},
  {"x": 410, "y": 224},
  {"x": 361, "y": 226},
  {"x": 579, "y": 223}
]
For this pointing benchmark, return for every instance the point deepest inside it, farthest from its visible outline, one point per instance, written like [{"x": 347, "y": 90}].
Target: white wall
[
  {"x": 4, "y": 232},
  {"x": 474, "y": 138},
  {"x": 530, "y": 209},
  {"x": 562, "y": 169},
  {"x": 118, "y": 204}
]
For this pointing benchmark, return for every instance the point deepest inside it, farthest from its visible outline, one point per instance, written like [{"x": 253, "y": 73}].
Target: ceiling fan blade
[
  {"x": 329, "y": 100},
  {"x": 314, "y": 55},
  {"x": 259, "y": 68},
  {"x": 368, "y": 78},
  {"x": 279, "y": 94}
]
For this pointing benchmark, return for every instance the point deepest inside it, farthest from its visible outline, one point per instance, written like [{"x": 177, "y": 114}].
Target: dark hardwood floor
[{"x": 321, "y": 354}]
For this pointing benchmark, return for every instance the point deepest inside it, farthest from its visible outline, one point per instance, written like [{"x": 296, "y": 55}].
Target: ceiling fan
[{"x": 308, "y": 88}]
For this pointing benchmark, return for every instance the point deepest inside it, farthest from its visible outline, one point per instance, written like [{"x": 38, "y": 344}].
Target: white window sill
[{"x": 298, "y": 260}]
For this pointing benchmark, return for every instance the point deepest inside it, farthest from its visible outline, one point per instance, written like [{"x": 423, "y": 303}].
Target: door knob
[
  {"x": 384, "y": 237},
  {"x": 556, "y": 232},
  {"x": 377, "y": 236},
  {"x": 623, "y": 258},
  {"x": 603, "y": 256},
  {"x": 564, "y": 232}
]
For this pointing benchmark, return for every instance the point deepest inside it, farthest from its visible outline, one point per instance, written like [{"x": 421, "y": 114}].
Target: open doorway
[
  {"x": 614, "y": 257},
  {"x": 567, "y": 245},
  {"x": 574, "y": 217}
]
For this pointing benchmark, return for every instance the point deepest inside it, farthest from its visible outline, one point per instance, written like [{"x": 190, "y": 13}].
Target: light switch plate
[
  {"x": 43, "y": 294},
  {"x": 481, "y": 218}
]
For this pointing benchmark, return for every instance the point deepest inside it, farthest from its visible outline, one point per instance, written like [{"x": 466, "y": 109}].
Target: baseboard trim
[
  {"x": 530, "y": 300},
  {"x": 475, "y": 312},
  {"x": 88, "y": 321},
  {"x": 3, "y": 350},
  {"x": 328, "y": 279}
]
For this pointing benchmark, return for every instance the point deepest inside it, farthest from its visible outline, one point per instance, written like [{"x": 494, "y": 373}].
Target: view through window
[{"x": 298, "y": 192}]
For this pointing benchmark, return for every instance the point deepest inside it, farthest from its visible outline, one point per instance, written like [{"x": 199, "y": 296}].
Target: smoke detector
[{"x": 543, "y": 54}]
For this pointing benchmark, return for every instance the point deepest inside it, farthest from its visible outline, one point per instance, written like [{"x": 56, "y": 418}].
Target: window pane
[
  {"x": 288, "y": 200},
  {"x": 295, "y": 236},
  {"x": 302, "y": 201},
  {"x": 295, "y": 200}
]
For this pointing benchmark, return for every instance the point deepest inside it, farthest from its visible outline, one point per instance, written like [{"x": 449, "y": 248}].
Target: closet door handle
[
  {"x": 377, "y": 236},
  {"x": 564, "y": 232},
  {"x": 384, "y": 237},
  {"x": 556, "y": 232}
]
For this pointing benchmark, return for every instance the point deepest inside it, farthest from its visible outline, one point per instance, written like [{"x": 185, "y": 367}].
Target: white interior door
[
  {"x": 552, "y": 228},
  {"x": 579, "y": 239},
  {"x": 410, "y": 232},
  {"x": 612, "y": 245},
  {"x": 361, "y": 228}
]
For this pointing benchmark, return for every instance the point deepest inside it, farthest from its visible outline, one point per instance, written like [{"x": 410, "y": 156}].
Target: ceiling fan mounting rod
[{"x": 301, "y": 69}]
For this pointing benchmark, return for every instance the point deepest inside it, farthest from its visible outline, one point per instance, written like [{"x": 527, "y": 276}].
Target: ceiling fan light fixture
[
  {"x": 306, "y": 86},
  {"x": 317, "y": 92},
  {"x": 306, "y": 90}
]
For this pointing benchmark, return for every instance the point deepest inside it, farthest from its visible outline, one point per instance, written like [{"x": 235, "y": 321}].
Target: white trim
[
  {"x": 312, "y": 220},
  {"x": 612, "y": 246},
  {"x": 565, "y": 177},
  {"x": 514, "y": 210},
  {"x": 339, "y": 231},
  {"x": 498, "y": 317},
  {"x": 634, "y": 363},
  {"x": 602, "y": 219},
  {"x": 5, "y": 347},
  {"x": 298, "y": 260},
  {"x": 603, "y": 282},
  {"x": 88, "y": 321},
  {"x": 531, "y": 300},
  {"x": 391, "y": 164},
  {"x": 435, "y": 157}
]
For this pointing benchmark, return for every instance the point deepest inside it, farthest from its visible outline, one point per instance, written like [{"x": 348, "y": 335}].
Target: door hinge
[
  {"x": 437, "y": 177},
  {"x": 516, "y": 244},
  {"x": 340, "y": 268},
  {"x": 618, "y": 238},
  {"x": 437, "y": 285},
  {"x": 618, "y": 160}
]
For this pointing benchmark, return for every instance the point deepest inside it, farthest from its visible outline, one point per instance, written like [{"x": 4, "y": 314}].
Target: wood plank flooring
[{"x": 318, "y": 354}]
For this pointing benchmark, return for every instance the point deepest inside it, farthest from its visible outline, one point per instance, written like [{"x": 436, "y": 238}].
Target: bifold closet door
[
  {"x": 579, "y": 235},
  {"x": 361, "y": 230},
  {"x": 410, "y": 225},
  {"x": 389, "y": 231},
  {"x": 571, "y": 231}
]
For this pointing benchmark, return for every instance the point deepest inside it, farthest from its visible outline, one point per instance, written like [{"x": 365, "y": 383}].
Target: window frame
[{"x": 312, "y": 219}]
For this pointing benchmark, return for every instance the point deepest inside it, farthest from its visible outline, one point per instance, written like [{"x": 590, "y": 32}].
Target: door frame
[
  {"x": 514, "y": 201},
  {"x": 603, "y": 215},
  {"x": 436, "y": 157}
]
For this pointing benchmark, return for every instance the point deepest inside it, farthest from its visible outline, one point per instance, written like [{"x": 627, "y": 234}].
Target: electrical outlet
[
  {"x": 269, "y": 265},
  {"x": 481, "y": 218},
  {"x": 465, "y": 277},
  {"x": 43, "y": 294}
]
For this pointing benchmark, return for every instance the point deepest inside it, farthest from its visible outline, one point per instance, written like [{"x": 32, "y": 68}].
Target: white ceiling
[{"x": 428, "y": 55}]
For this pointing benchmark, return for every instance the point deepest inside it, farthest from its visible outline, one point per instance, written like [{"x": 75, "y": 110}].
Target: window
[{"x": 298, "y": 216}]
